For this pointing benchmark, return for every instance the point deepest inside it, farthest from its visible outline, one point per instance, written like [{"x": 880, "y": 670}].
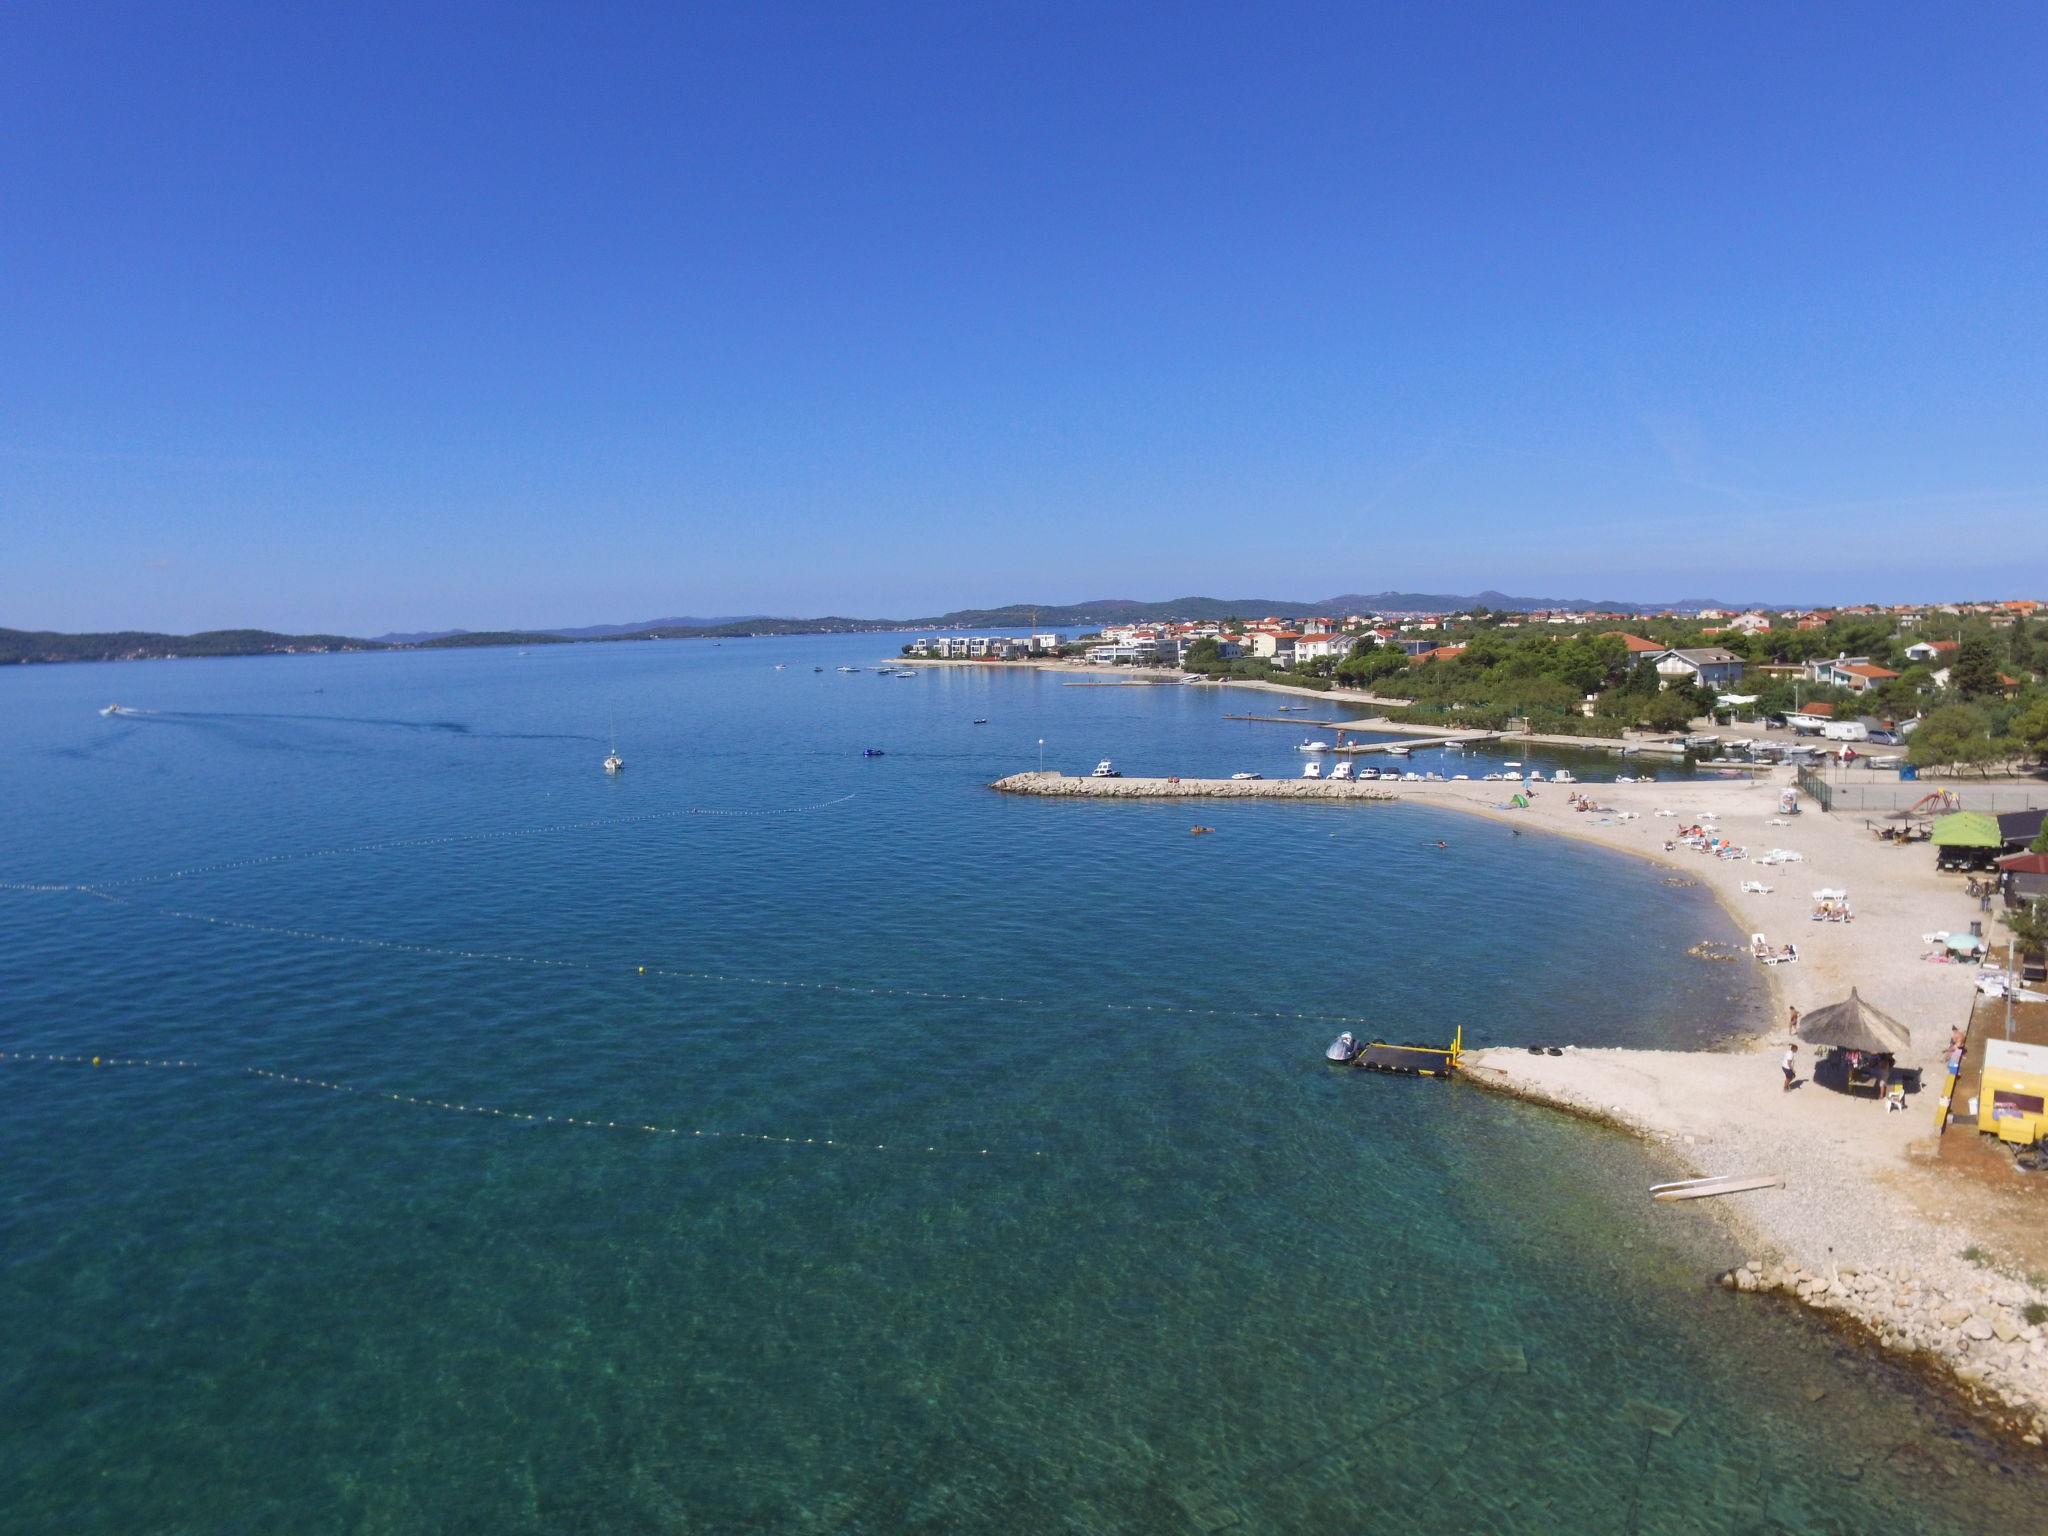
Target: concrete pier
[{"x": 1083, "y": 786}]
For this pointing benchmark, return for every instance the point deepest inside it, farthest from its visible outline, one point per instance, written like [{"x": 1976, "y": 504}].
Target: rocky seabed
[{"x": 1974, "y": 1329}]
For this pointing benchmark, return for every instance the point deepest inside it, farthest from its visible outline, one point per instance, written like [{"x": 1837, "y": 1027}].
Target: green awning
[{"x": 1968, "y": 829}]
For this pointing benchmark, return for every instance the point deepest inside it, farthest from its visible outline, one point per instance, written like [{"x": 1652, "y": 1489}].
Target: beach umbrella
[
  {"x": 1854, "y": 1025},
  {"x": 1964, "y": 944},
  {"x": 1968, "y": 829},
  {"x": 2025, "y": 864}
]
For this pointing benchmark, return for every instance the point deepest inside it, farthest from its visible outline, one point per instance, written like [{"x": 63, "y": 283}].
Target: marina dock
[{"x": 1436, "y": 736}]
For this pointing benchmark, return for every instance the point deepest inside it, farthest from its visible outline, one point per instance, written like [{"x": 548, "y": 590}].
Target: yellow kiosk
[{"x": 2012, "y": 1101}]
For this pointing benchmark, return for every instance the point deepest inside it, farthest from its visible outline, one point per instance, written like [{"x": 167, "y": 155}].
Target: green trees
[
  {"x": 1370, "y": 663},
  {"x": 1955, "y": 735},
  {"x": 2030, "y": 727},
  {"x": 1202, "y": 654},
  {"x": 1974, "y": 673}
]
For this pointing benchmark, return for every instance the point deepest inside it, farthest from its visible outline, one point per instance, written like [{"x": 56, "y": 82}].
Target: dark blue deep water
[{"x": 1163, "y": 1271}]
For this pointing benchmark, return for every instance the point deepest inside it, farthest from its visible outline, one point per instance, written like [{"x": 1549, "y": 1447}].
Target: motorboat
[
  {"x": 849, "y": 669},
  {"x": 1512, "y": 763},
  {"x": 1457, "y": 776},
  {"x": 1313, "y": 746},
  {"x": 1106, "y": 770},
  {"x": 817, "y": 669},
  {"x": 1399, "y": 751},
  {"x": 981, "y": 719},
  {"x": 1242, "y": 776},
  {"x": 113, "y": 709},
  {"x": 1342, "y": 1049},
  {"x": 1535, "y": 775},
  {"x": 874, "y": 752},
  {"x": 1490, "y": 778},
  {"x": 1411, "y": 777},
  {"x": 1367, "y": 773},
  {"x": 1311, "y": 770},
  {"x": 1341, "y": 771},
  {"x": 1564, "y": 776}
]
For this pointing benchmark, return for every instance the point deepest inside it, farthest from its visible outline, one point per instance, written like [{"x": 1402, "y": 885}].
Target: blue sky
[{"x": 384, "y": 316}]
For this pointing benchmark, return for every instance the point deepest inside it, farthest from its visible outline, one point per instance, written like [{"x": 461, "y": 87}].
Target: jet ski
[{"x": 1343, "y": 1048}]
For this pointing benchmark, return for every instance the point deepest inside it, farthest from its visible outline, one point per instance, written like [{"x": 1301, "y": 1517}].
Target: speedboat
[
  {"x": 1367, "y": 773},
  {"x": 1341, "y": 771},
  {"x": 849, "y": 669},
  {"x": 817, "y": 669},
  {"x": 1492, "y": 777},
  {"x": 981, "y": 719},
  {"x": 1247, "y": 775},
  {"x": 1106, "y": 770},
  {"x": 1343, "y": 1048},
  {"x": 874, "y": 752},
  {"x": 113, "y": 709},
  {"x": 1313, "y": 746},
  {"x": 1311, "y": 770}
]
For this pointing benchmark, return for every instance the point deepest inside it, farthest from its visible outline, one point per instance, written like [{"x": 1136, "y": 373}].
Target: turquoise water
[{"x": 1163, "y": 1271}]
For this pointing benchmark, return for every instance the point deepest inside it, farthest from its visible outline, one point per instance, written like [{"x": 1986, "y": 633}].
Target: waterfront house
[
  {"x": 1931, "y": 650},
  {"x": 1274, "y": 646},
  {"x": 1709, "y": 665},
  {"x": 1325, "y": 647}
]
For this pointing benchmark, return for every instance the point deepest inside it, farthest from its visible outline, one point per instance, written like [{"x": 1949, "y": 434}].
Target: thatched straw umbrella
[{"x": 1853, "y": 1025}]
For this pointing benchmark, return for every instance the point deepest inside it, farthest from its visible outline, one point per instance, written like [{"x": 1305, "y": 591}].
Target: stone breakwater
[
  {"x": 1190, "y": 789},
  {"x": 1983, "y": 1329}
]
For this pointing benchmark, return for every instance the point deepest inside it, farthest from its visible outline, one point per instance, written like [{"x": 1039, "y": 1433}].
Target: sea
[{"x": 407, "y": 1127}]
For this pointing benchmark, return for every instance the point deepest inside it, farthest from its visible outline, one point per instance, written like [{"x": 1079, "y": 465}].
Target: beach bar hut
[
  {"x": 2012, "y": 1103},
  {"x": 1868, "y": 1040},
  {"x": 1966, "y": 840}
]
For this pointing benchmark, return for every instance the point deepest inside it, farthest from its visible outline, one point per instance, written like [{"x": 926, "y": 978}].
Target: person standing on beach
[
  {"x": 1790, "y": 1065},
  {"x": 1794, "y": 1025}
]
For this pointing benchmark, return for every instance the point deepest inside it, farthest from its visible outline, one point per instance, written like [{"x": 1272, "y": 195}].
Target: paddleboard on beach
[{"x": 1717, "y": 1184}]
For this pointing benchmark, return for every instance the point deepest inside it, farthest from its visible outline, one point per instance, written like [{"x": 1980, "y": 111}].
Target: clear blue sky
[{"x": 380, "y": 316}]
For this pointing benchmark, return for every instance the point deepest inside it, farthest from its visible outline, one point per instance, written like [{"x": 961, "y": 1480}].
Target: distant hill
[
  {"x": 25, "y": 645},
  {"x": 17, "y": 645}
]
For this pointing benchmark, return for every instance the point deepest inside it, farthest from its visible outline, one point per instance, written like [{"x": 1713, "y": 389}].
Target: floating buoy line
[
  {"x": 438, "y": 841},
  {"x": 677, "y": 1132},
  {"x": 711, "y": 978},
  {"x": 582, "y": 1122}
]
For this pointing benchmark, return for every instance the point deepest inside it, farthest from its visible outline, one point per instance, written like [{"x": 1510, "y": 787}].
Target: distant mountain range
[{"x": 18, "y": 645}]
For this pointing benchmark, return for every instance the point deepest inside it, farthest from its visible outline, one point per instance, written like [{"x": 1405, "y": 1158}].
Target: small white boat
[
  {"x": 1341, "y": 771},
  {"x": 1535, "y": 775},
  {"x": 1718, "y": 1184},
  {"x": 1242, "y": 776},
  {"x": 1564, "y": 776},
  {"x": 1511, "y": 764},
  {"x": 1492, "y": 778},
  {"x": 1313, "y": 746},
  {"x": 1367, "y": 772},
  {"x": 1106, "y": 770},
  {"x": 849, "y": 669},
  {"x": 113, "y": 709},
  {"x": 1311, "y": 770},
  {"x": 1398, "y": 751}
]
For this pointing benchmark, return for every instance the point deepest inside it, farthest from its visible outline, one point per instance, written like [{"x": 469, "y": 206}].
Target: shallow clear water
[{"x": 1194, "y": 1275}]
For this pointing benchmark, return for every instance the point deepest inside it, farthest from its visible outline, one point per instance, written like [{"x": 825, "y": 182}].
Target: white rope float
[
  {"x": 391, "y": 844},
  {"x": 676, "y": 1132},
  {"x": 90, "y": 1061},
  {"x": 721, "y": 978}
]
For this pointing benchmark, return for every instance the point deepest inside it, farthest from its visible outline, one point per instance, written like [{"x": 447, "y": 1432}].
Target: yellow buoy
[
  {"x": 643, "y": 970},
  {"x": 95, "y": 1061}
]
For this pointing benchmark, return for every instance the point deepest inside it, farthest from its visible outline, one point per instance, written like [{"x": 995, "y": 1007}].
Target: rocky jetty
[
  {"x": 1191, "y": 789},
  {"x": 1982, "y": 1328}
]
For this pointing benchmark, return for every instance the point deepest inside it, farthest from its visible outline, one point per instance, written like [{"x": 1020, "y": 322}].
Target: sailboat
[{"x": 614, "y": 763}]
